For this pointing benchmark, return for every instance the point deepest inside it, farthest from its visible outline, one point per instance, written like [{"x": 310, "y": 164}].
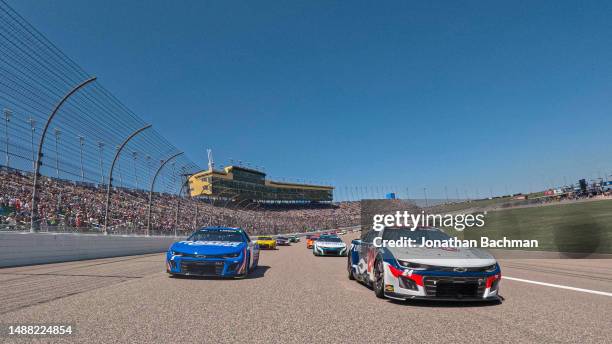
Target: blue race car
[{"x": 213, "y": 251}]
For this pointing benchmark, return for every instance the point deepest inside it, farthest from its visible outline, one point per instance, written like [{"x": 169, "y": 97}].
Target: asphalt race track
[{"x": 296, "y": 297}]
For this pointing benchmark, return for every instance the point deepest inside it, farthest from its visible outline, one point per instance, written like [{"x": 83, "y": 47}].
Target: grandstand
[
  {"x": 69, "y": 206},
  {"x": 240, "y": 183}
]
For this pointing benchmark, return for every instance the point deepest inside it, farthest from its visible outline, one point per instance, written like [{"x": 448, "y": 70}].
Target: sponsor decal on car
[{"x": 212, "y": 243}]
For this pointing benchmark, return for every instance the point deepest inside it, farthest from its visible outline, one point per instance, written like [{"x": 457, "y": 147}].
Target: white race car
[
  {"x": 329, "y": 245},
  {"x": 409, "y": 272}
]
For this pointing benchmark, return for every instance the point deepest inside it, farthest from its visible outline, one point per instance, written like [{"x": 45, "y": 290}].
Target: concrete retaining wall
[{"x": 17, "y": 249}]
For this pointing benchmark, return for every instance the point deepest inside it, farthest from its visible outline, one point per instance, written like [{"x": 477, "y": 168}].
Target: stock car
[
  {"x": 310, "y": 239},
  {"x": 402, "y": 273},
  {"x": 329, "y": 245},
  {"x": 213, "y": 251},
  {"x": 282, "y": 241},
  {"x": 294, "y": 238},
  {"x": 266, "y": 242}
]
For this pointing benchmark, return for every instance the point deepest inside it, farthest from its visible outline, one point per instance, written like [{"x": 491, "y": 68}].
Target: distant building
[{"x": 239, "y": 183}]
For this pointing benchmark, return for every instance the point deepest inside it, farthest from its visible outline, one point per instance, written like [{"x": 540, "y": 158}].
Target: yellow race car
[{"x": 265, "y": 242}]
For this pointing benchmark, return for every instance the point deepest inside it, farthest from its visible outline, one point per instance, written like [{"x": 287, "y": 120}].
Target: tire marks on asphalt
[{"x": 29, "y": 286}]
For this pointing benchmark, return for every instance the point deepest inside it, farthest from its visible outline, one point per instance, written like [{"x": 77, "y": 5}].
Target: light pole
[
  {"x": 34, "y": 216},
  {"x": 148, "y": 167},
  {"x": 33, "y": 130},
  {"x": 7, "y": 118},
  {"x": 446, "y": 193},
  {"x": 178, "y": 204},
  {"x": 81, "y": 143},
  {"x": 134, "y": 157},
  {"x": 57, "y": 137},
  {"x": 101, "y": 154},
  {"x": 425, "y": 193},
  {"x": 172, "y": 175}
]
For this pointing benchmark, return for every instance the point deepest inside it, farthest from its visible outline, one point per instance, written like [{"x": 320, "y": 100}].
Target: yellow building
[{"x": 240, "y": 183}]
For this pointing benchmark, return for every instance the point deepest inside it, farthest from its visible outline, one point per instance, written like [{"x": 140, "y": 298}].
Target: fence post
[
  {"x": 148, "y": 232},
  {"x": 110, "y": 173},
  {"x": 178, "y": 204},
  {"x": 34, "y": 211},
  {"x": 7, "y": 118}
]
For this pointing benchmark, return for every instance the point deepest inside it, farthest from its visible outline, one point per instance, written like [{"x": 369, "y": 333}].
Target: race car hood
[
  {"x": 208, "y": 247},
  {"x": 330, "y": 244},
  {"x": 456, "y": 257}
]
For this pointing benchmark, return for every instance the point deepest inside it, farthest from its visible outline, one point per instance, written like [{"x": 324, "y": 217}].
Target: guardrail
[
  {"x": 19, "y": 247},
  {"x": 24, "y": 248}
]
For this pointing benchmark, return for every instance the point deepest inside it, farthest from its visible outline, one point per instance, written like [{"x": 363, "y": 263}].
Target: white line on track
[{"x": 558, "y": 286}]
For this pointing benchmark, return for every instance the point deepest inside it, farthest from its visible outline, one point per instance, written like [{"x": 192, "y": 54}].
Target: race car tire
[
  {"x": 350, "y": 270},
  {"x": 379, "y": 279}
]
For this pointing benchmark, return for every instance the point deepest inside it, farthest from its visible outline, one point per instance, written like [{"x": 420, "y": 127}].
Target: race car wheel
[
  {"x": 379, "y": 279},
  {"x": 349, "y": 267}
]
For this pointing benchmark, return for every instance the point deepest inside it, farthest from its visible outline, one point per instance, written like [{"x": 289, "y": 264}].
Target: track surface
[{"x": 296, "y": 297}]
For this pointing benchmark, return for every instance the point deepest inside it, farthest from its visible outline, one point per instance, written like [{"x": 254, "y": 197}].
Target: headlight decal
[
  {"x": 418, "y": 279},
  {"x": 492, "y": 279}
]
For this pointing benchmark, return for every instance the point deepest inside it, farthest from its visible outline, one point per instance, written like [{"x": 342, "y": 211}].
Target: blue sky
[{"x": 472, "y": 95}]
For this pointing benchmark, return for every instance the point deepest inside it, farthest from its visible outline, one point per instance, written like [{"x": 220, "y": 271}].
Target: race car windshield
[
  {"x": 217, "y": 236},
  {"x": 264, "y": 238},
  {"x": 395, "y": 234},
  {"x": 331, "y": 239}
]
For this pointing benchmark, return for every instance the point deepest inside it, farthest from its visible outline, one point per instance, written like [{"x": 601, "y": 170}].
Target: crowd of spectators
[{"x": 72, "y": 206}]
